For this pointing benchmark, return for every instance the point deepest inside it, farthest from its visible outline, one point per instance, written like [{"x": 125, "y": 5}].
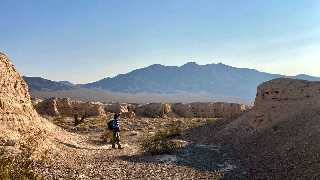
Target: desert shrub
[
  {"x": 211, "y": 120},
  {"x": 162, "y": 141},
  {"x": 18, "y": 167},
  {"x": 107, "y": 136},
  {"x": 59, "y": 121},
  {"x": 21, "y": 165}
]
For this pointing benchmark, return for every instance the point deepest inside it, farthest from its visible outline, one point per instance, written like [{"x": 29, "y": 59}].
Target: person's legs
[
  {"x": 118, "y": 140},
  {"x": 114, "y": 140}
]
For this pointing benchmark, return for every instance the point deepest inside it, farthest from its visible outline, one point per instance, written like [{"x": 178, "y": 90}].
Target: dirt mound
[{"x": 279, "y": 137}]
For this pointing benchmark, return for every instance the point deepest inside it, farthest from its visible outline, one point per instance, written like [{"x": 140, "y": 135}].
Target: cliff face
[
  {"x": 14, "y": 96},
  {"x": 16, "y": 110},
  {"x": 280, "y": 134},
  {"x": 18, "y": 118},
  {"x": 280, "y": 99}
]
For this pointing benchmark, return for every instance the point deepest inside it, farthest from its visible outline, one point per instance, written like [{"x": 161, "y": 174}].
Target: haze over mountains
[{"x": 214, "y": 81}]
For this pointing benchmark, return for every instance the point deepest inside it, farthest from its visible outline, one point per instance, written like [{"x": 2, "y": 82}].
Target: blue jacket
[{"x": 116, "y": 125}]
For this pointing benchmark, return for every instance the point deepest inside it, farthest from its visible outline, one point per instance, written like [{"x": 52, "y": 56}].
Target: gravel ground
[{"x": 94, "y": 159}]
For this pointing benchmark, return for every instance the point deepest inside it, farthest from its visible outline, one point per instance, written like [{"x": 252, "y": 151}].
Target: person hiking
[{"x": 114, "y": 126}]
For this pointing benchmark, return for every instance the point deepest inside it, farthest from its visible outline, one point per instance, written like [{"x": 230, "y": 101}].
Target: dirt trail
[{"x": 91, "y": 158}]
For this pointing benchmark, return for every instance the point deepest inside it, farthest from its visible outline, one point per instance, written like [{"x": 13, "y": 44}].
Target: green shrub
[
  {"x": 211, "y": 120},
  {"x": 162, "y": 141}
]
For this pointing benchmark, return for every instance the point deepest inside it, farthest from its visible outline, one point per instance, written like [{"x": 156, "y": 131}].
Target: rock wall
[
  {"x": 117, "y": 108},
  {"x": 48, "y": 107},
  {"x": 87, "y": 108},
  {"x": 209, "y": 110},
  {"x": 281, "y": 130},
  {"x": 126, "y": 110},
  {"x": 67, "y": 107},
  {"x": 277, "y": 101},
  {"x": 283, "y": 98},
  {"x": 153, "y": 110},
  {"x": 182, "y": 110}
]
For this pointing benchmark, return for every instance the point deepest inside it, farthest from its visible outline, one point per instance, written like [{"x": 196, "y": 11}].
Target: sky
[{"x": 83, "y": 41}]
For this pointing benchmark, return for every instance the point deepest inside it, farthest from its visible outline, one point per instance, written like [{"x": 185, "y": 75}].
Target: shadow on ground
[
  {"x": 198, "y": 153},
  {"x": 81, "y": 148}
]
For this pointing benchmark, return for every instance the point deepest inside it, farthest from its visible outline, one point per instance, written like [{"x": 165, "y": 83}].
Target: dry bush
[
  {"x": 162, "y": 141},
  {"x": 106, "y": 136},
  {"x": 59, "y": 121}
]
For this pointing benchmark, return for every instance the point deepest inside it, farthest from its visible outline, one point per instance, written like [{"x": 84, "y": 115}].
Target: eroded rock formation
[
  {"x": 17, "y": 115},
  {"x": 153, "y": 110},
  {"x": 281, "y": 130},
  {"x": 67, "y": 107},
  {"x": 126, "y": 110},
  {"x": 281, "y": 99},
  {"x": 209, "y": 110}
]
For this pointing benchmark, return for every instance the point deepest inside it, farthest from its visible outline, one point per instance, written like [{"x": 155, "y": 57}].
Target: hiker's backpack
[{"x": 111, "y": 124}]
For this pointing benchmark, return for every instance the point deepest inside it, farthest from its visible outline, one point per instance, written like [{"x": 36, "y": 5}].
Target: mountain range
[{"x": 214, "y": 80}]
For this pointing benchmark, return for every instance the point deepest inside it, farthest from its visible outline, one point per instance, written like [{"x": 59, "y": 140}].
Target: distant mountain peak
[
  {"x": 221, "y": 64},
  {"x": 156, "y": 66},
  {"x": 191, "y": 64}
]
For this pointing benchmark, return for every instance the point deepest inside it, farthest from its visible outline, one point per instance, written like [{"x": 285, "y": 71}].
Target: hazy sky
[{"x": 86, "y": 40}]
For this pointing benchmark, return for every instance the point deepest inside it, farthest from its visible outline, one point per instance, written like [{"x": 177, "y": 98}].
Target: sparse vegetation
[
  {"x": 211, "y": 120},
  {"x": 162, "y": 141},
  {"x": 106, "y": 136},
  {"x": 21, "y": 165},
  {"x": 59, "y": 121}
]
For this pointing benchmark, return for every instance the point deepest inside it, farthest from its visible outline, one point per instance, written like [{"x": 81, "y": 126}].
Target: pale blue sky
[{"x": 86, "y": 40}]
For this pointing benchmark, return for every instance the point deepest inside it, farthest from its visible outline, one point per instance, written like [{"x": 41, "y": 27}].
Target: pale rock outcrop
[
  {"x": 48, "y": 107},
  {"x": 87, "y": 108},
  {"x": 17, "y": 115},
  {"x": 67, "y": 107},
  {"x": 277, "y": 101},
  {"x": 117, "y": 108},
  {"x": 182, "y": 110},
  {"x": 217, "y": 110},
  {"x": 153, "y": 110},
  {"x": 36, "y": 101},
  {"x": 209, "y": 110},
  {"x": 281, "y": 130},
  {"x": 283, "y": 98},
  {"x": 126, "y": 110}
]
